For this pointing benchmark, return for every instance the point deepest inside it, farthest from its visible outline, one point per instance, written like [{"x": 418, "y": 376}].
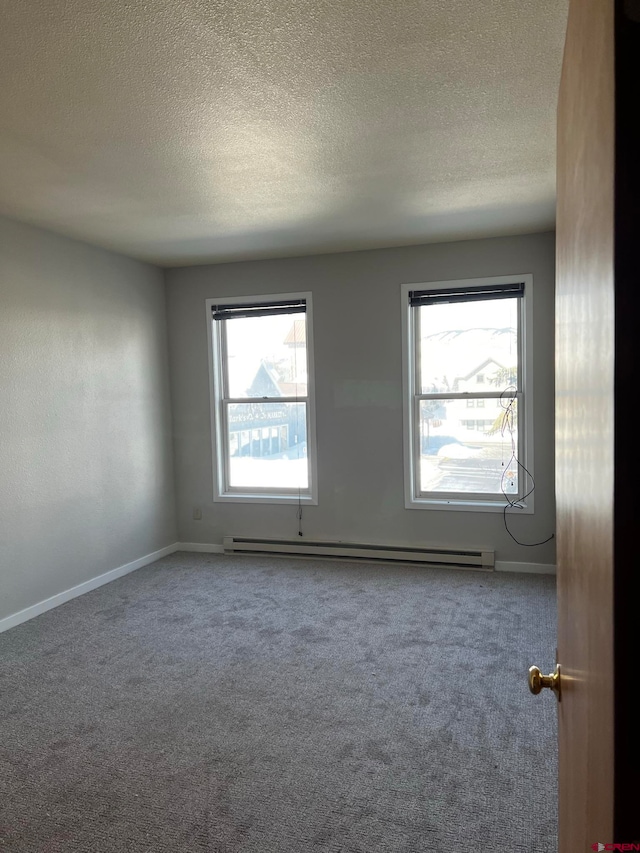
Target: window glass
[
  {"x": 261, "y": 351},
  {"x": 467, "y": 346},
  {"x": 262, "y": 455},
  {"x": 462, "y": 455}
]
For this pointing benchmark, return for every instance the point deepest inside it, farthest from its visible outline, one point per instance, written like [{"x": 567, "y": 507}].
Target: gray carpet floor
[{"x": 257, "y": 705}]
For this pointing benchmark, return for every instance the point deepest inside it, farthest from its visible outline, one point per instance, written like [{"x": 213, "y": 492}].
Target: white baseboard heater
[{"x": 453, "y": 558}]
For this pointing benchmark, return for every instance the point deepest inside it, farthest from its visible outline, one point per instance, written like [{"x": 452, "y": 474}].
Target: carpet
[{"x": 261, "y": 705}]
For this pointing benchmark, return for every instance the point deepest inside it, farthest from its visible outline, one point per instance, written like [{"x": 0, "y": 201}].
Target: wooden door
[{"x": 597, "y": 223}]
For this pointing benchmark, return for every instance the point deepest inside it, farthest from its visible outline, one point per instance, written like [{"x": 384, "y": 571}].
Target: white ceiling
[{"x": 191, "y": 131}]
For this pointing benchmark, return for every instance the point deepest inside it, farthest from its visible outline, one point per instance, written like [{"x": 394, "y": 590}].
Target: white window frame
[
  {"x": 222, "y": 492},
  {"x": 457, "y": 501}
]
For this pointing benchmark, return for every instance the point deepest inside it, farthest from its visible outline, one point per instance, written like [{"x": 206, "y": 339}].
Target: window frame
[
  {"x": 410, "y": 359},
  {"x": 219, "y": 402}
]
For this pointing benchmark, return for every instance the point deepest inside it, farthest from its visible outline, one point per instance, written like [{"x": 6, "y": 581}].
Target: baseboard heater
[{"x": 448, "y": 557}]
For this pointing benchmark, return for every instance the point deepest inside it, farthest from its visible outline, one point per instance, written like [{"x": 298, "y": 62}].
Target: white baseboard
[
  {"x": 81, "y": 588},
  {"x": 531, "y": 568},
  {"x": 196, "y": 547},
  {"x": 199, "y": 547}
]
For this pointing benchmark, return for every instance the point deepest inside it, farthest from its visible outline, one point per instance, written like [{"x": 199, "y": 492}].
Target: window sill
[
  {"x": 458, "y": 505},
  {"x": 252, "y": 498}
]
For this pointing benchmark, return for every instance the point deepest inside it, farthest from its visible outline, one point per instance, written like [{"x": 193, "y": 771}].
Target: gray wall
[
  {"x": 86, "y": 468},
  {"x": 356, "y": 301}
]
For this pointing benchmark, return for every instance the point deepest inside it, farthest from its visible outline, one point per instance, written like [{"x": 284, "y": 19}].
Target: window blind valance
[
  {"x": 231, "y": 311},
  {"x": 466, "y": 294}
]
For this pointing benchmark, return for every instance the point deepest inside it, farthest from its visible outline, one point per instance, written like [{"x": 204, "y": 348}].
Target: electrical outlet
[{"x": 197, "y": 513}]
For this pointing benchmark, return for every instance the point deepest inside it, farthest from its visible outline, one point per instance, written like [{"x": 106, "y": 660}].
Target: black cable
[{"x": 508, "y": 425}]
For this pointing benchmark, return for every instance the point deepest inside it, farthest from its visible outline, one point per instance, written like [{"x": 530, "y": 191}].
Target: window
[
  {"x": 262, "y": 398},
  {"x": 467, "y": 345}
]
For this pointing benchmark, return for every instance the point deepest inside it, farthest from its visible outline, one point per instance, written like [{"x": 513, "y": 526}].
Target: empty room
[{"x": 286, "y": 529}]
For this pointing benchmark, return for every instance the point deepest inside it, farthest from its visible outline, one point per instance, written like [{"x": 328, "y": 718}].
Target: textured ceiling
[{"x": 188, "y": 131}]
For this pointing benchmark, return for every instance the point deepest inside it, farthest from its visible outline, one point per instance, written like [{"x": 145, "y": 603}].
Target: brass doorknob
[{"x": 537, "y": 680}]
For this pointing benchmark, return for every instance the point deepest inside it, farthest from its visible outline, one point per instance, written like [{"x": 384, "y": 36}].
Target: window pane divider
[
  {"x": 248, "y": 400},
  {"x": 467, "y": 395}
]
